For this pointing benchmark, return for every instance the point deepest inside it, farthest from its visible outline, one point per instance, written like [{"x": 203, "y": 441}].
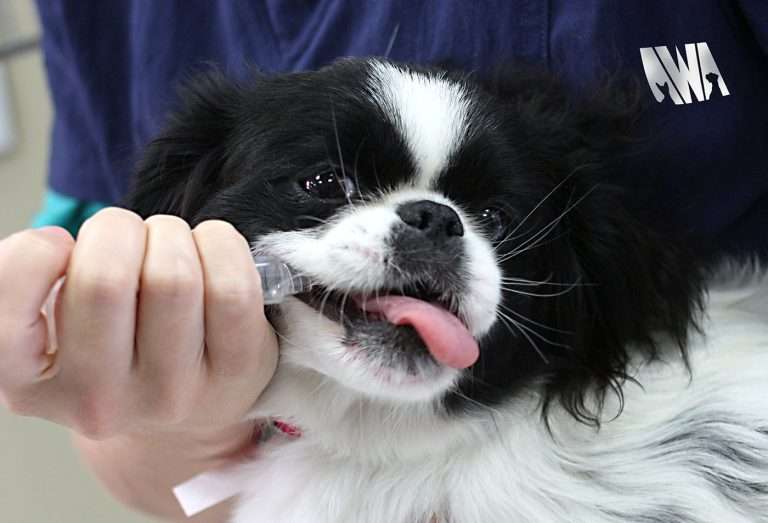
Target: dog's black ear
[
  {"x": 633, "y": 285},
  {"x": 642, "y": 286},
  {"x": 634, "y": 292},
  {"x": 184, "y": 165}
]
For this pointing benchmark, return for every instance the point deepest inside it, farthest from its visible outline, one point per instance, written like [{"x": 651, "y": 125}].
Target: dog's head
[{"x": 433, "y": 215}]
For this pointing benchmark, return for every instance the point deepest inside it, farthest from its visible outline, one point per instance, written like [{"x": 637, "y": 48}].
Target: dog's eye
[
  {"x": 495, "y": 222},
  {"x": 327, "y": 185}
]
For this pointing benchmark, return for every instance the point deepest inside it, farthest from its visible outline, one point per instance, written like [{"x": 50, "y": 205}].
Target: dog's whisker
[
  {"x": 542, "y": 242},
  {"x": 379, "y": 188},
  {"x": 548, "y": 195},
  {"x": 546, "y": 228},
  {"x": 525, "y": 246},
  {"x": 354, "y": 166},
  {"x": 312, "y": 218},
  {"x": 324, "y": 382},
  {"x": 538, "y": 283},
  {"x": 487, "y": 408},
  {"x": 340, "y": 181},
  {"x": 507, "y": 320},
  {"x": 511, "y": 237},
  {"x": 539, "y": 294},
  {"x": 534, "y": 332},
  {"x": 547, "y": 284},
  {"x": 472, "y": 376},
  {"x": 541, "y": 234},
  {"x": 533, "y": 241},
  {"x": 326, "y": 295},
  {"x": 343, "y": 304},
  {"x": 534, "y": 322}
]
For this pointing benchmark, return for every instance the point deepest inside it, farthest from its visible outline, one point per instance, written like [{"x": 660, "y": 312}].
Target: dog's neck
[{"x": 344, "y": 423}]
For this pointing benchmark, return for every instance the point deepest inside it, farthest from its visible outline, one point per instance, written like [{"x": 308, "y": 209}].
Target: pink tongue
[{"x": 445, "y": 336}]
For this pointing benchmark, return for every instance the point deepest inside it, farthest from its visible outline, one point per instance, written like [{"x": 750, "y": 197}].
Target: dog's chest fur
[{"x": 682, "y": 451}]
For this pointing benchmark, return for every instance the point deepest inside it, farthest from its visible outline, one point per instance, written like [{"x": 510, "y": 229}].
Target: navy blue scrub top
[{"x": 113, "y": 67}]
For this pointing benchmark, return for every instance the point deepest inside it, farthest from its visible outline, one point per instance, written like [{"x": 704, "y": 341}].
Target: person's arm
[{"x": 163, "y": 347}]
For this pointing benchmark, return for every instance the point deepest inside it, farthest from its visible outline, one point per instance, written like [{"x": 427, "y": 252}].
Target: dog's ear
[
  {"x": 184, "y": 165},
  {"x": 642, "y": 285},
  {"x": 634, "y": 292},
  {"x": 633, "y": 286}
]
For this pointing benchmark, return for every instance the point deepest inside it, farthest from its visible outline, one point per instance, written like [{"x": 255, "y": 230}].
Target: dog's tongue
[{"x": 445, "y": 336}]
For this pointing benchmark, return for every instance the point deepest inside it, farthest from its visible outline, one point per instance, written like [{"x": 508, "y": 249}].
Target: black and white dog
[{"x": 490, "y": 336}]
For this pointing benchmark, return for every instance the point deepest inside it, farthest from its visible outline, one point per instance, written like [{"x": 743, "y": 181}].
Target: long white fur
[
  {"x": 367, "y": 461},
  {"x": 369, "y": 456}
]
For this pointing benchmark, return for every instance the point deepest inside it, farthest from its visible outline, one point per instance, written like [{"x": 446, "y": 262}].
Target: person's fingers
[
  {"x": 200, "y": 320},
  {"x": 170, "y": 335},
  {"x": 239, "y": 340},
  {"x": 96, "y": 318},
  {"x": 30, "y": 264}
]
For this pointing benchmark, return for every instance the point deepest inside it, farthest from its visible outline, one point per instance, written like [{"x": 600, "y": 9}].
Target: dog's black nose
[{"x": 434, "y": 220}]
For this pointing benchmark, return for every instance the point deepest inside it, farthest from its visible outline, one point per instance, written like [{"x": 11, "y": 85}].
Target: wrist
[
  {"x": 214, "y": 445},
  {"x": 141, "y": 469}
]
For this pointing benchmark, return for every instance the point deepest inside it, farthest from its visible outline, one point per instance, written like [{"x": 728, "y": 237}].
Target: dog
[{"x": 490, "y": 335}]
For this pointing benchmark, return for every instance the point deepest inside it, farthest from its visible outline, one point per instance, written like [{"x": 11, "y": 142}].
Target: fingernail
[{"x": 53, "y": 232}]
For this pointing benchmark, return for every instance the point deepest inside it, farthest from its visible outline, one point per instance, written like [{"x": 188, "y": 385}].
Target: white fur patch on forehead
[{"x": 430, "y": 112}]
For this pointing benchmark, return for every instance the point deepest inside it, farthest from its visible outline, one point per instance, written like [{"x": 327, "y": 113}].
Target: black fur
[{"x": 236, "y": 150}]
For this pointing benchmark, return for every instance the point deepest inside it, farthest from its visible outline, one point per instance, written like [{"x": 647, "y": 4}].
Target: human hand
[{"x": 160, "y": 328}]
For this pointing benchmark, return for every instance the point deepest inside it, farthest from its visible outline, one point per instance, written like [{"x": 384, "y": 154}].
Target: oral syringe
[{"x": 278, "y": 281}]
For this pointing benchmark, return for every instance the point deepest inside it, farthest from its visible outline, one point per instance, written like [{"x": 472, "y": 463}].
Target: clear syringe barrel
[{"x": 277, "y": 280}]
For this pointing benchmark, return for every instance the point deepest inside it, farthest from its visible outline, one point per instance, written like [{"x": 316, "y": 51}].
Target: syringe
[{"x": 277, "y": 279}]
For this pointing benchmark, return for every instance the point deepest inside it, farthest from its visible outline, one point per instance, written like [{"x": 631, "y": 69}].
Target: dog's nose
[{"x": 434, "y": 220}]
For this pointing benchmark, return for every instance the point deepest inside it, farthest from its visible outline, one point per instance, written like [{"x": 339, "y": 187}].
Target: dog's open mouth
[{"x": 432, "y": 314}]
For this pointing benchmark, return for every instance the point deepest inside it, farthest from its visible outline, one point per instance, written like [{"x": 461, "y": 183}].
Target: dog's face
[
  {"x": 457, "y": 238},
  {"x": 404, "y": 268}
]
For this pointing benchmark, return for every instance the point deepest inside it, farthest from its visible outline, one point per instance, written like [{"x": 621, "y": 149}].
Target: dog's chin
[{"x": 362, "y": 352}]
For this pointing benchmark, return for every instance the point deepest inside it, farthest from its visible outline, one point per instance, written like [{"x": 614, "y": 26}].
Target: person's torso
[{"x": 703, "y": 64}]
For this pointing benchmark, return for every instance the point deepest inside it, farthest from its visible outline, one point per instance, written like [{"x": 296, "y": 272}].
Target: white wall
[
  {"x": 41, "y": 480},
  {"x": 22, "y": 171}
]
